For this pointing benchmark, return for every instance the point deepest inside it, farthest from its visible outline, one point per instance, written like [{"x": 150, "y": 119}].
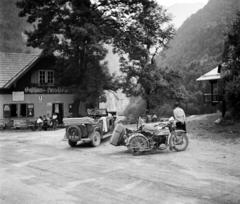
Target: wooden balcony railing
[{"x": 212, "y": 98}]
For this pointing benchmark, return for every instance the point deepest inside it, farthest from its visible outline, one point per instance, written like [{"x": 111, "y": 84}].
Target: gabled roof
[
  {"x": 13, "y": 66},
  {"x": 212, "y": 75}
]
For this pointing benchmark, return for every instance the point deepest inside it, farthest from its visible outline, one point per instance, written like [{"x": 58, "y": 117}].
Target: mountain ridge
[
  {"x": 198, "y": 47},
  {"x": 200, "y": 36},
  {"x": 178, "y": 16}
]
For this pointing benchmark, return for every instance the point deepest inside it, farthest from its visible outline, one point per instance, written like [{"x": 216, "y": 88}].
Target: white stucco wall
[
  {"x": 42, "y": 102},
  {"x": 115, "y": 101}
]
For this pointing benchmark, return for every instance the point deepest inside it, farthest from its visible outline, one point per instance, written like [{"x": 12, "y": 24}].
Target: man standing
[{"x": 179, "y": 116}]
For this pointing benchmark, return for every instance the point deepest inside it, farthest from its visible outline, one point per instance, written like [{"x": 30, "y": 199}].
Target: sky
[
  {"x": 179, "y": 16},
  {"x": 168, "y": 3},
  {"x": 180, "y": 10}
]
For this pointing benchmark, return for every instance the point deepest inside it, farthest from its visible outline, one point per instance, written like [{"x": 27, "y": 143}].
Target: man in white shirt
[{"x": 179, "y": 116}]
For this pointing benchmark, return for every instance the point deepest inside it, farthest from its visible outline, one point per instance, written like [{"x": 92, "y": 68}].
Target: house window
[
  {"x": 42, "y": 77},
  {"x": 30, "y": 110},
  {"x": 10, "y": 110},
  {"x": 46, "y": 77},
  {"x": 6, "y": 111},
  {"x": 18, "y": 110},
  {"x": 50, "y": 77}
]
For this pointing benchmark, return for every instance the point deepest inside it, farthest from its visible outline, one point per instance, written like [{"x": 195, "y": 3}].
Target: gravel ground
[{"x": 39, "y": 167}]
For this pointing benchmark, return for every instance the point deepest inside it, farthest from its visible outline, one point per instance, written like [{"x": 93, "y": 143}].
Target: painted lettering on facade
[{"x": 47, "y": 90}]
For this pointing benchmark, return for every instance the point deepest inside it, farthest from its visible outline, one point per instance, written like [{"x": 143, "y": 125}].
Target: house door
[{"x": 58, "y": 109}]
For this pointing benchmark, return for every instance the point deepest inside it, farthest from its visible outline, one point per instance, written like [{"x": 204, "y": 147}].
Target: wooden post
[
  {"x": 211, "y": 91},
  {"x": 224, "y": 106}
]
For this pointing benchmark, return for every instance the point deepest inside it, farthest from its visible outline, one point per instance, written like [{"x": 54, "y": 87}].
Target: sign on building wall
[
  {"x": 17, "y": 96},
  {"x": 46, "y": 90}
]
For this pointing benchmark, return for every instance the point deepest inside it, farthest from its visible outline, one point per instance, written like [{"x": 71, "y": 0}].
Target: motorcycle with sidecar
[{"x": 150, "y": 137}]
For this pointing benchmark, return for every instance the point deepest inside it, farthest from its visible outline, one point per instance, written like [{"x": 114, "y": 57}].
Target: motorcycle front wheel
[{"x": 180, "y": 142}]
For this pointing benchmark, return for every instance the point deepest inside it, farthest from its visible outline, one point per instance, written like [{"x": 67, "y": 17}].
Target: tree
[
  {"x": 148, "y": 31},
  {"x": 231, "y": 57},
  {"x": 70, "y": 31},
  {"x": 75, "y": 31}
]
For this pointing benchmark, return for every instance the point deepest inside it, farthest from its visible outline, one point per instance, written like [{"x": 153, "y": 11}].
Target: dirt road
[{"x": 38, "y": 167}]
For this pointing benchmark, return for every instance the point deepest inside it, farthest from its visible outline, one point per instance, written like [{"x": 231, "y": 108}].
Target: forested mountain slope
[
  {"x": 198, "y": 44},
  {"x": 11, "y": 28},
  {"x": 201, "y": 37}
]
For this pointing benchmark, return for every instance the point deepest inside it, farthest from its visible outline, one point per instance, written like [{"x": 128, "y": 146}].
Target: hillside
[
  {"x": 201, "y": 37},
  {"x": 12, "y": 28},
  {"x": 198, "y": 46}
]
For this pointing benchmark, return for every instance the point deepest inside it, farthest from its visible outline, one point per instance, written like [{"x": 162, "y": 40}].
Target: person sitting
[
  {"x": 44, "y": 118},
  {"x": 48, "y": 119},
  {"x": 179, "y": 116},
  {"x": 54, "y": 120},
  {"x": 154, "y": 118},
  {"x": 39, "y": 122}
]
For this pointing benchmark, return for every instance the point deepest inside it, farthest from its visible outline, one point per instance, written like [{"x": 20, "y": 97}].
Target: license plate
[{"x": 73, "y": 137}]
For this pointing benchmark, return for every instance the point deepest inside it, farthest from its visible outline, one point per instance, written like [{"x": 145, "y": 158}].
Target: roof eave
[
  {"x": 22, "y": 72},
  {"x": 208, "y": 78}
]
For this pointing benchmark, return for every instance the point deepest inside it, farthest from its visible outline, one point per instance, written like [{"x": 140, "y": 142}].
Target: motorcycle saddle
[{"x": 151, "y": 128}]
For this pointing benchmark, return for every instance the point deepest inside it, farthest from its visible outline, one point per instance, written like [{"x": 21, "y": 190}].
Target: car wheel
[
  {"x": 73, "y": 134},
  {"x": 96, "y": 139}
]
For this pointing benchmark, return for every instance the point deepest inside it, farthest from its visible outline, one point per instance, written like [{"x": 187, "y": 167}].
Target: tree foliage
[
  {"x": 148, "y": 31},
  {"x": 197, "y": 48},
  {"x": 232, "y": 69},
  {"x": 76, "y": 32},
  {"x": 156, "y": 85}
]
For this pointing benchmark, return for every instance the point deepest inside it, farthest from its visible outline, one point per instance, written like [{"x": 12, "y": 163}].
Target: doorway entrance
[{"x": 58, "y": 109}]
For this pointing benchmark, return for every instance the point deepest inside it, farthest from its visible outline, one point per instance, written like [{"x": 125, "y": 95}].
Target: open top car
[{"x": 98, "y": 125}]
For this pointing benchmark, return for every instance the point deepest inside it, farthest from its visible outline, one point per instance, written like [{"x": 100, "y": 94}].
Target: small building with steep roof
[
  {"x": 28, "y": 89},
  {"x": 216, "y": 93}
]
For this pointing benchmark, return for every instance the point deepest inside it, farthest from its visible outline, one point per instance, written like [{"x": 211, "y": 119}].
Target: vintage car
[{"x": 98, "y": 125}]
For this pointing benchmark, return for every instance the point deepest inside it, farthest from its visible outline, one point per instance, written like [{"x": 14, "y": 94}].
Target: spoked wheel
[
  {"x": 96, "y": 139},
  {"x": 74, "y": 135},
  {"x": 180, "y": 142},
  {"x": 137, "y": 144}
]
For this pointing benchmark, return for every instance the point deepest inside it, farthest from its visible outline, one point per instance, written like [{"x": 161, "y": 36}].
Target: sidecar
[{"x": 118, "y": 135}]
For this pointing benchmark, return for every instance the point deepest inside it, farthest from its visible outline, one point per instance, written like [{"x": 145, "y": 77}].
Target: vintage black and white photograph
[{"x": 119, "y": 101}]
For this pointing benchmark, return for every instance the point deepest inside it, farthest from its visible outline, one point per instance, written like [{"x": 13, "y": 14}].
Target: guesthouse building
[{"x": 28, "y": 89}]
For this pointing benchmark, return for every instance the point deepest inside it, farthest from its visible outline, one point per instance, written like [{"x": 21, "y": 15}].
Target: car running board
[{"x": 106, "y": 135}]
